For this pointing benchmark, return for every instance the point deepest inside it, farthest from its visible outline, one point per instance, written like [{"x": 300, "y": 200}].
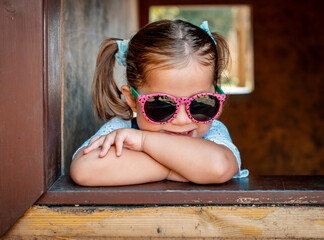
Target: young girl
[{"x": 173, "y": 69}]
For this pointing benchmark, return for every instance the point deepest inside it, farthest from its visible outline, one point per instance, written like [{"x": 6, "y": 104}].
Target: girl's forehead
[{"x": 179, "y": 82}]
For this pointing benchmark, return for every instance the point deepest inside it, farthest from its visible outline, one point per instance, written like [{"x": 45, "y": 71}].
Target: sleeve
[
  {"x": 219, "y": 134},
  {"x": 108, "y": 127}
]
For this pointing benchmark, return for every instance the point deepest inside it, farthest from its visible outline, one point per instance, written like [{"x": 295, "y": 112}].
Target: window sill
[{"x": 260, "y": 190}]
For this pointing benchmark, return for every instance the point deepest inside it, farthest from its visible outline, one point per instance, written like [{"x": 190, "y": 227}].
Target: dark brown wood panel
[
  {"x": 21, "y": 108},
  {"x": 279, "y": 127},
  {"x": 52, "y": 90},
  {"x": 287, "y": 190}
]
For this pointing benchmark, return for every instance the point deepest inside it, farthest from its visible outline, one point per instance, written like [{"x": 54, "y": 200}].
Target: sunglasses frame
[{"x": 143, "y": 98}]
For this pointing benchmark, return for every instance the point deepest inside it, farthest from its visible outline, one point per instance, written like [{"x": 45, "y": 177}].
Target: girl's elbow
[
  {"x": 214, "y": 176},
  {"x": 80, "y": 172},
  {"x": 219, "y": 171},
  {"x": 225, "y": 169},
  {"x": 223, "y": 176}
]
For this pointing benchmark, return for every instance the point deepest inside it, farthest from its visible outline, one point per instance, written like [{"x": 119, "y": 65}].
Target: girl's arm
[
  {"x": 132, "y": 167},
  {"x": 198, "y": 160}
]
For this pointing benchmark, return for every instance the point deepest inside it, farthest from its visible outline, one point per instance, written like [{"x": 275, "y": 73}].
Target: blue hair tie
[
  {"x": 204, "y": 26},
  {"x": 121, "y": 54}
]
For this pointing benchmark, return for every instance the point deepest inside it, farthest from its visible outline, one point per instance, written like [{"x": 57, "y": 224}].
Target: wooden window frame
[
  {"x": 307, "y": 190},
  {"x": 57, "y": 189}
]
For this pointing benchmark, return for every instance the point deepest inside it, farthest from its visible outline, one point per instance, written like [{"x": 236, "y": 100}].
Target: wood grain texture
[
  {"x": 21, "y": 108},
  {"x": 86, "y": 23},
  {"x": 170, "y": 222},
  {"x": 52, "y": 89}
]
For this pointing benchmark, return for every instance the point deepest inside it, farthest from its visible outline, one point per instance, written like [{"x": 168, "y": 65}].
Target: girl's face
[{"x": 184, "y": 82}]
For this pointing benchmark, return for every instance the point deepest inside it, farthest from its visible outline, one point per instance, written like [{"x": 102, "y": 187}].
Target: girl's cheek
[
  {"x": 203, "y": 129},
  {"x": 145, "y": 125}
]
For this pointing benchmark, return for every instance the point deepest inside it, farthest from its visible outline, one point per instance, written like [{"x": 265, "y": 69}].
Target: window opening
[{"x": 234, "y": 23}]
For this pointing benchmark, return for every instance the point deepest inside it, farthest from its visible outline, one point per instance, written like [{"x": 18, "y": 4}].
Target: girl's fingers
[
  {"x": 96, "y": 143},
  {"x": 94, "y": 139},
  {"x": 119, "y": 142},
  {"x": 109, "y": 140},
  {"x": 119, "y": 138}
]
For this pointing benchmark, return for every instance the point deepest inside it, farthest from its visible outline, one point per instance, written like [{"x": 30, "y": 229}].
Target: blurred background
[{"x": 275, "y": 84}]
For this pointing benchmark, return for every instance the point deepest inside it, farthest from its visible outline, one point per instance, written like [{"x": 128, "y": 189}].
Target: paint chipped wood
[{"x": 43, "y": 222}]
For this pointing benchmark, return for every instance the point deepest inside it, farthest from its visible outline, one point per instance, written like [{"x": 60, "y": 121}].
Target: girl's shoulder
[
  {"x": 113, "y": 124},
  {"x": 218, "y": 130},
  {"x": 218, "y": 124},
  {"x": 108, "y": 127}
]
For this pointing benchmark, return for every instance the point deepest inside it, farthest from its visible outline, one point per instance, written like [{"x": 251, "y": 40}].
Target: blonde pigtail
[{"x": 106, "y": 97}]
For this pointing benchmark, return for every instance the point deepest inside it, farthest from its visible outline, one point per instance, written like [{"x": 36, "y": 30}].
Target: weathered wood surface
[
  {"x": 52, "y": 91},
  {"x": 85, "y": 25},
  {"x": 284, "y": 190},
  {"x": 43, "y": 222}
]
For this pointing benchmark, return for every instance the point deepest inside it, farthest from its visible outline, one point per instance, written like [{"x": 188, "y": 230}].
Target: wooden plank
[
  {"x": 287, "y": 190},
  {"x": 21, "y": 108},
  {"x": 52, "y": 90},
  {"x": 170, "y": 222},
  {"x": 85, "y": 25}
]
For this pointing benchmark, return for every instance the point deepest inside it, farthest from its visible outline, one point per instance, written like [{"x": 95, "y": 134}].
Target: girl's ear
[{"x": 130, "y": 99}]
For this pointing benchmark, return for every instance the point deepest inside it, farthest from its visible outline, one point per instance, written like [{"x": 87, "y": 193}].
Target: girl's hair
[{"x": 163, "y": 44}]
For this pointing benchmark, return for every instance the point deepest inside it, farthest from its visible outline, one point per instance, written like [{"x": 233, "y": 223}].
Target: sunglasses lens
[
  {"x": 159, "y": 108},
  {"x": 204, "y": 108}
]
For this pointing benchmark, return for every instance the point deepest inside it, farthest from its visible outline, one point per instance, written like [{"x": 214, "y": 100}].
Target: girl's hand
[{"x": 122, "y": 138}]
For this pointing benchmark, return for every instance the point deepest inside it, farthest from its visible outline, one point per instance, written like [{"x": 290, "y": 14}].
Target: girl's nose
[{"x": 182, "y": 117}]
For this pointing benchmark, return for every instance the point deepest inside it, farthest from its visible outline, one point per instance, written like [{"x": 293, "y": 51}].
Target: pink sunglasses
[{"x": 162, "y": 108}]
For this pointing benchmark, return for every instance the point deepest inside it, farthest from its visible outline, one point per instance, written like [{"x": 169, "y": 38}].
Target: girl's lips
[{"x": 187, "y": 133}]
